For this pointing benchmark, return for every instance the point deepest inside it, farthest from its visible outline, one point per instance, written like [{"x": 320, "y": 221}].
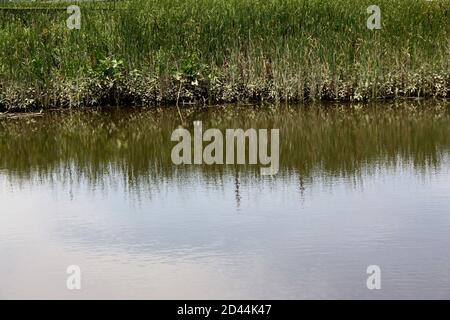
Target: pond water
[{"x": 357, "y": 186}]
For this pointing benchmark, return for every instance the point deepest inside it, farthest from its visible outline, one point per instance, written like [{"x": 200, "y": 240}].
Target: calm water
[{"x": 357, "y": 186}]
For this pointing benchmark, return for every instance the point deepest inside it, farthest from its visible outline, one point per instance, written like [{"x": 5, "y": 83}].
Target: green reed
[{"x": 230, "y": 49}]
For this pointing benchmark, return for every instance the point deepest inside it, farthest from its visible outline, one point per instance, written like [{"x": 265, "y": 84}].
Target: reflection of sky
[{"x": 198, "y": 239}]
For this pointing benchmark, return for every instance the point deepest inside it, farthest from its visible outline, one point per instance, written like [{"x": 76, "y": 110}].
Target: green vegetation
[{"x": 210, "y": 51}]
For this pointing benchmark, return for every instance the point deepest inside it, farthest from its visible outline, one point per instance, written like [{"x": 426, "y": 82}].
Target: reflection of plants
[{"x": 134, "y": 144}]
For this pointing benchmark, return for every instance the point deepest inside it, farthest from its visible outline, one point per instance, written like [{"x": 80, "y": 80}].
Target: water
[{"x": 357, "y": 186}]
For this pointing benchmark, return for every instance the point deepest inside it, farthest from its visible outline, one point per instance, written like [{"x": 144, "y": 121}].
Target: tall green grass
[{"x": 148, "y": 51}]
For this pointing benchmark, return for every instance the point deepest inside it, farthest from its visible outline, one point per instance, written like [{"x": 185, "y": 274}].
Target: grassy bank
[{"x": 210, "y": 51}]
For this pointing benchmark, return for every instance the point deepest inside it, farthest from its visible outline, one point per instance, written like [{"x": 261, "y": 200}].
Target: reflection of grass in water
[
  {"x": 135, "y": 145},
  {"x": 256, "y": 49}
]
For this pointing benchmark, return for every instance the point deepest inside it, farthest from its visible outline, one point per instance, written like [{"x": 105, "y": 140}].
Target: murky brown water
[{"x": 357, "y": 186}]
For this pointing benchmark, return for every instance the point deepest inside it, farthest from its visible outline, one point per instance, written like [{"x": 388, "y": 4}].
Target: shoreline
[
  {"x": 143, "y": 93},
  {"x": 406, "y": 103}
]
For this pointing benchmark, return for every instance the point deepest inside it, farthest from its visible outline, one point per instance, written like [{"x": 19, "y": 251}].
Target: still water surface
[{"x": 357, "y": 186}]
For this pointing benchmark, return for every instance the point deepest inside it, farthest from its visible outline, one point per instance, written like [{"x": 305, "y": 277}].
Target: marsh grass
[{"x": 208, "y": 51}]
